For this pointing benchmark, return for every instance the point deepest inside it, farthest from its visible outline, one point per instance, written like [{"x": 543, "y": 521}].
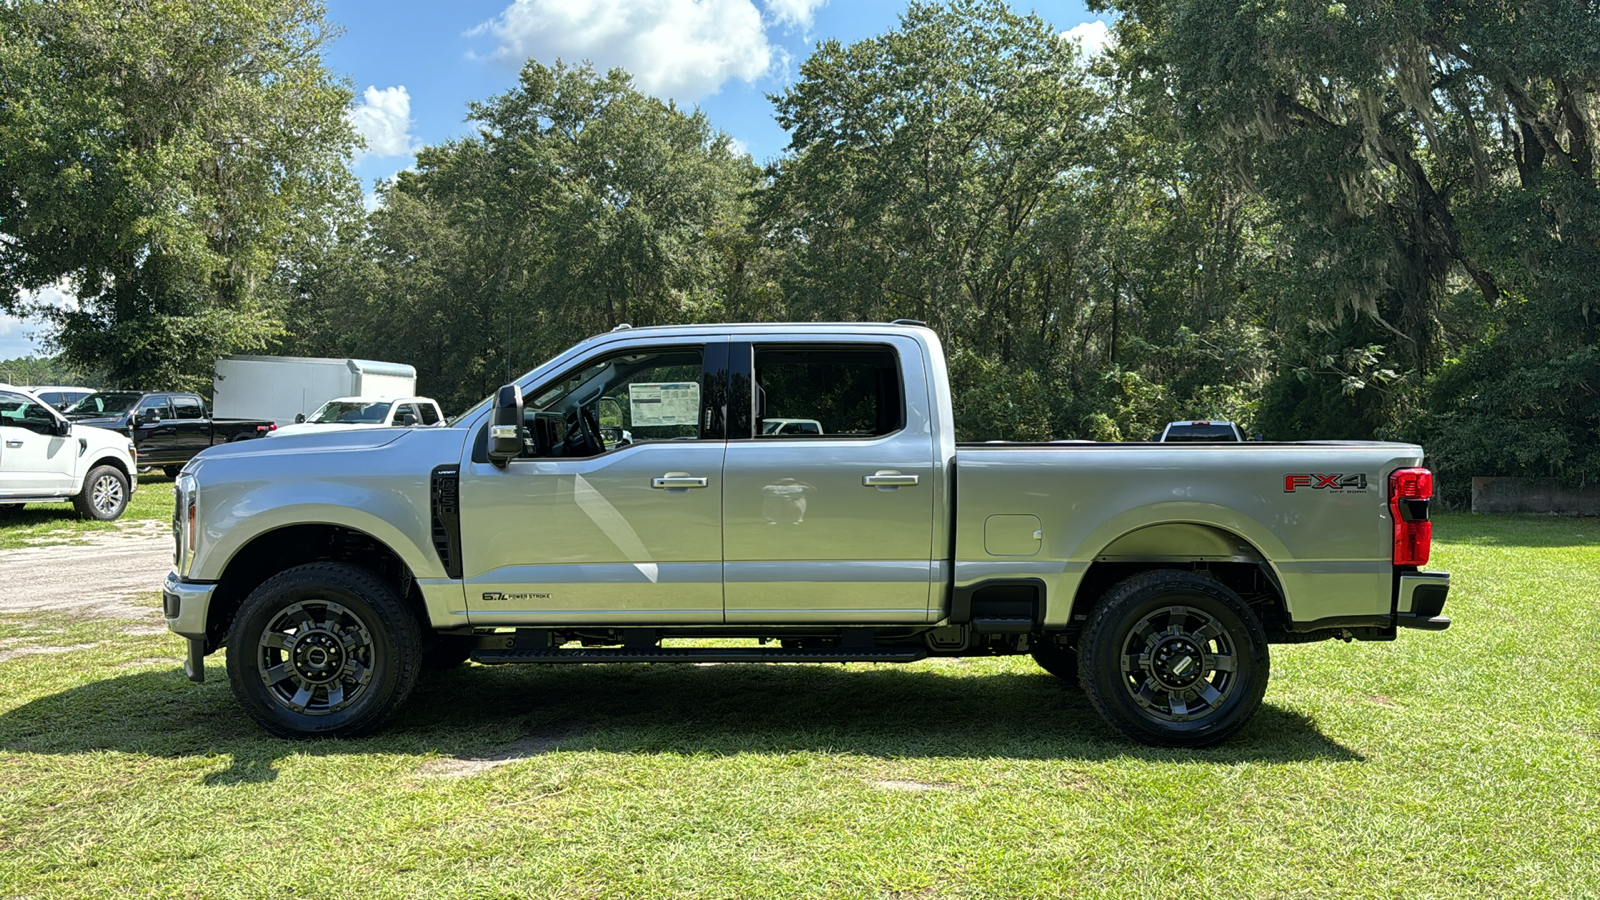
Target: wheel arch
[
  {"x": 108, "y": 459},
  {"x": 1222, "y": 553},
  {"x": 283, "y": 548}
]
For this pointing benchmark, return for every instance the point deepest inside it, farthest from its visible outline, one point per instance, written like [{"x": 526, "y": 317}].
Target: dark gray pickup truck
[{"x": 168, "y": 427}]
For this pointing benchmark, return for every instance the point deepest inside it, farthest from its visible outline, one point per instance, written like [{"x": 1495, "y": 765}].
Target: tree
[
  {"x": 1431, "y": 171},
  {"x": 580, "y": 204},
  {"x": 163, "y": 157}
]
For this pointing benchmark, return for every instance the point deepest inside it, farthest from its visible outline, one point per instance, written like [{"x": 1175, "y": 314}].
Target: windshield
[
  {"x": 1202, "y": 433},
  {"x": 346, "y": 412},
  {"x": 109, "y": 403}
]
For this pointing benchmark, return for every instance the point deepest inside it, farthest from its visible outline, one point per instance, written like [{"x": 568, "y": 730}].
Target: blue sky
[{"x": 414, "y": 66}]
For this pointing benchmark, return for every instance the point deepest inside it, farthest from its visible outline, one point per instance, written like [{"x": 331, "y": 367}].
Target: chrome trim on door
[
  {"x": 668, "y": 482},
  {"x": 888, "y": 479}
]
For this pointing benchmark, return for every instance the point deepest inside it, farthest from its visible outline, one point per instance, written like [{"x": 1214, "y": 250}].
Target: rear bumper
[{"x": 1420, "y": 598}]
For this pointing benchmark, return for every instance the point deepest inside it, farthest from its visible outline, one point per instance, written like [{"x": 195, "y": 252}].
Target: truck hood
[
  {"x": 318, "y": 428},
  {"x": 118, "y": 422},
  {"x": 317, "y": 442},
  {"x": 100, "y": 438}
]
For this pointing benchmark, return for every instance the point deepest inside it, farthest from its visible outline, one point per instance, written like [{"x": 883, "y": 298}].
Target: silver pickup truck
[{"x": 625, "y": 502}]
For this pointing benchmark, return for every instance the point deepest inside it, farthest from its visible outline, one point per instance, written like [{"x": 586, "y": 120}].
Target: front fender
[{"x": 397, "y": 515}]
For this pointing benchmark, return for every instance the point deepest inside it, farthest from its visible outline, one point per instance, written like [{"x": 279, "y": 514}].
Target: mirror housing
[
  {"x": 299, "y": 418},
  {"x": 149, "y": 416},
  {"x": 506, "y": 429},
  {"x": 63, "y": 428}
]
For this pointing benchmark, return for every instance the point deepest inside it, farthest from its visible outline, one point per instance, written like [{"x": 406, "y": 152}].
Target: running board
[{"x": 697, "y": 655}]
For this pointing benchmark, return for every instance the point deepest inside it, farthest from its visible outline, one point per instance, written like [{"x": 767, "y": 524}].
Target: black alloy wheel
[
  {"x": 323, "y": 649},
  {"x": 1174, "y": 658}
]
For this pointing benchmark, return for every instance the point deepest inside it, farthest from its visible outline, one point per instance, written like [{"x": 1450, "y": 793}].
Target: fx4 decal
[{"x": 1336, "y": 482}]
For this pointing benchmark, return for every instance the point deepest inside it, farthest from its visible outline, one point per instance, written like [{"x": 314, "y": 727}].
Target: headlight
[{"x": 185, "y": 522}]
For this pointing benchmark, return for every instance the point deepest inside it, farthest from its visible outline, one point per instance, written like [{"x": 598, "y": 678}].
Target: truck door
[
  {"x": 154, "y": 431},
  {"x": 191, "y": 429},
  {"x": 828, "y": 498},
  {"x": 614, "y": 514},
  {"x": 33, "y": 459}
]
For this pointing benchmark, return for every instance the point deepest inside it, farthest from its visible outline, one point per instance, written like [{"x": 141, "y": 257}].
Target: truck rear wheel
[
  {"x": 1174, "y": 659},
  {"x": 104, "y": 495},
  {"x": 323, "y": 649}
]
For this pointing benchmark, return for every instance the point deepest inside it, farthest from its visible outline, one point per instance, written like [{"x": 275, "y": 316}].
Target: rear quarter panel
[{"x": 1329, "y": 548}]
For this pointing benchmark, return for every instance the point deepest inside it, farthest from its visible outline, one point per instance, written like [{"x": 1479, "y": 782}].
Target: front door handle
[
  {"x": 888, "y": 479},
  {"x": 674, "y": 480},
  {"x": 13, "y": 444}
]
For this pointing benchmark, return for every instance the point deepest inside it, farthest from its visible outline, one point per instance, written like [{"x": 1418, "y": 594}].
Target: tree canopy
[
  {"x": 168, "y": 161},
  {"x": 1322, "y": 220}
]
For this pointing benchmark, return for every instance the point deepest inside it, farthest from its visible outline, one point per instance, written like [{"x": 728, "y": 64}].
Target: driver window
[
  {"x": 19, "y": 411},
  {"x": 627, "y": 398}
]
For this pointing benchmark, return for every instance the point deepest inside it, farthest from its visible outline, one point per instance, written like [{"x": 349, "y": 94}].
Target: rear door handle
[
  {"x": 888, "y": 479},
  {"x": 673, "y": 480}
]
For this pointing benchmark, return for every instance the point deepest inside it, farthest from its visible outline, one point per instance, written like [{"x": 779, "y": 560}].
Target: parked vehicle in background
[
  {"x": 335, "y": 566},
  {"x": 1200, "y": 431},
  {"x": 791, "y": 426},
  {"x": 283, "y": 387},
  {"x": 168, "y": 427},
  {"x": 58, "y": 396},
  {"x": 367, "y": 412},
  {"x": 45, "y": 458}
]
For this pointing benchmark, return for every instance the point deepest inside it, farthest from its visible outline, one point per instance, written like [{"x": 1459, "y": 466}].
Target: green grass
[
  {"x": 44, "y": 524},
  {"x": 1462, "y": 764}
]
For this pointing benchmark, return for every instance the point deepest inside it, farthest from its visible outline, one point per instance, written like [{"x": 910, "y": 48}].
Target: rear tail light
[{"x": 1410, "y": 493}]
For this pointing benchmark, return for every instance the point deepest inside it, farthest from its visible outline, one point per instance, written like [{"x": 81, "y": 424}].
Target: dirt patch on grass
[
  {"x": 36, "y": 651},
  {"x": 99, "y": 578},
  {"x": 906, "y": 784},
  {"x": 525, "y": 747}
]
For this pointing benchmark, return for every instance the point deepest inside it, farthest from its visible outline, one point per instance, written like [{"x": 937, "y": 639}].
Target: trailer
[{"x": 282, "y": 387}]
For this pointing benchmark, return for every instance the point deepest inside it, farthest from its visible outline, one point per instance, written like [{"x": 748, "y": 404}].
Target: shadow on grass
[{"x": 478, "y": 713}]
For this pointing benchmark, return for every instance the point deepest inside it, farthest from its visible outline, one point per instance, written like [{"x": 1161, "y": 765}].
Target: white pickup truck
[
  {"x": 626, "y": 496},
  {"x": 45, "y": 458},
  {"x": 366, "y": 412}
]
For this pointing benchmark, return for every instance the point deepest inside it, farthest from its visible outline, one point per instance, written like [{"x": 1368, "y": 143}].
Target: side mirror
[
  {"x": 150, "y": 416},
  {"x": 63, "y": 428},
  {"x": 505, "y": 426},
  {"x": 299, "y": 418}
]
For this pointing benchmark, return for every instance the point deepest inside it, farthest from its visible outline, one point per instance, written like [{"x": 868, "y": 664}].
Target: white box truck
[{"x": 281, "y": 387}]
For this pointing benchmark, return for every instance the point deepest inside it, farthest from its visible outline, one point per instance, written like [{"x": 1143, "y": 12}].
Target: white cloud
[
  {"x": 683, "y": 49},
  {"x": 794, "y": 13},
  {"x": 1093, "y": 37},
  {"x": 20, "y": 337},
  {"x": 383, "y": 117}
]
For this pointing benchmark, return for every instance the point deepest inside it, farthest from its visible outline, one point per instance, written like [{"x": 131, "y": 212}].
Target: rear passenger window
[
  {"x": 187, "y": 408},
  {"x": 811, "y": 392}
]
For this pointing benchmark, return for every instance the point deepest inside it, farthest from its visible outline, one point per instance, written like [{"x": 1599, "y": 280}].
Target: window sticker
[{"x": 664, "y": 403}]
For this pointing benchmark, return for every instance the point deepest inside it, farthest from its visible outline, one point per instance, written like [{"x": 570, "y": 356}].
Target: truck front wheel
[
  {"x": 104, "y": 495},
  {"x": 323, "y": 649},
  {"x": 1174, "y": 659}
]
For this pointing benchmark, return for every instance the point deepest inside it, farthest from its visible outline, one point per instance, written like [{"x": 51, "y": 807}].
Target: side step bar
[{"x": 696, "y": 654}]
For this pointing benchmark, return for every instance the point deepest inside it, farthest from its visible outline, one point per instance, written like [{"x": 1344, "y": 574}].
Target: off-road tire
[
  {"x": 323, "y": 649},
  {"x": 171, "y": 471},
  {"x": 1174, "y": 659},
  {"x": 104, "y": 495}
]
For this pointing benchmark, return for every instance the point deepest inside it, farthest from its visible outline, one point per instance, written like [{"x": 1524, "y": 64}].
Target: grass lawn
[
  {"x": 1463, "y": 764},
  {"x": 43, "y": 524}
]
